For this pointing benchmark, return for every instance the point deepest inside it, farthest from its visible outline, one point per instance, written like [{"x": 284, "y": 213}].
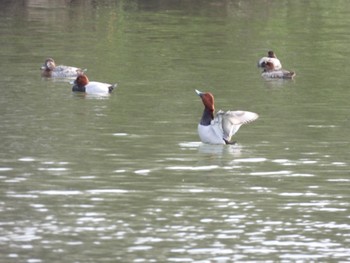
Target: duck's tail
[{"x": 289, "y": 75}]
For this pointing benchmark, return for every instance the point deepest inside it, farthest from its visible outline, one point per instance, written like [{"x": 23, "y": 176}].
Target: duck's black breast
[{"x": 76, "y": 88}]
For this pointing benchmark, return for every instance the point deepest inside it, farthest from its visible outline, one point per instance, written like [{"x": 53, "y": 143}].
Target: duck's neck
[{"x": 207, "y": 116}]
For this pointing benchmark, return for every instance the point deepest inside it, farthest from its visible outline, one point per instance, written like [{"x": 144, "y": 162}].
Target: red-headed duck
[
  {"x": 82, "y": 84},
  {"x": 271, "y": 57},
  {"x": 49, "y": 69},
  {"x": 219, "y": 128}
]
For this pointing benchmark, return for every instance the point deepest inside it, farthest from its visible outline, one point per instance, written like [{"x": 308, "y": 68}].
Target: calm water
[{"x": 125, "y": 179}]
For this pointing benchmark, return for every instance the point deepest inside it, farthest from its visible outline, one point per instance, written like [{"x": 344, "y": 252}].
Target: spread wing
[{"x": 233, "y": 120}]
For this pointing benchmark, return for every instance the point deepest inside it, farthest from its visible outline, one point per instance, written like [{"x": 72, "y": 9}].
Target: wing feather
[{"x": 232, "y": 120}]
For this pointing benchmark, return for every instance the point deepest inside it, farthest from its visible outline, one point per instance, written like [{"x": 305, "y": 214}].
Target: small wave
[
  {"x": 322, "y": 126},
  {"x": 26, "y": 159},
  {"x": 250, "y": 160},
  {"x": 120, "y": 134},
  {"x": 193, "y": 168},
  {"x": 272, "y": 173},
  {"x": 4, "y": 169},
  {"x": 190, "y": 144},
  {"x": 143, "y": 171}
]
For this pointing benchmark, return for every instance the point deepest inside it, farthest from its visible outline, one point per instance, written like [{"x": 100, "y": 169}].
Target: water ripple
[
  {"x": 271, "y": 173},
  {"x": 5, "y": 169},
  {"x": 193, "y": 168},
  {"x": 250, "y": 160}
]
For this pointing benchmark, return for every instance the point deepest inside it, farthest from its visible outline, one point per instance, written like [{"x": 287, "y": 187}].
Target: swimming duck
[
  {"x": 270, "y": 72},
  {"x": 219, "y": 128},
  {"x": 49, "y": 69},
  {"x": 271, "y": 57},
  {"x": 82, "y": 84}
]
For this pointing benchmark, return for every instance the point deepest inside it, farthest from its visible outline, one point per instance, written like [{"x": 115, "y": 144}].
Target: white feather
[
  {"x": 275, "y": 61},
  {"x": 94, "y": 87}
]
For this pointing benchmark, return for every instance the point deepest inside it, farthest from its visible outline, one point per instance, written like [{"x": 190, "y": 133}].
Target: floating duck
[
  {"x": 49, "y": 69},
  {"x": 219, "y": 128},
  {"x": 82, "y": 84},
  {"x": 271, "y": 73},
  {"x": 271, "y": 57}
]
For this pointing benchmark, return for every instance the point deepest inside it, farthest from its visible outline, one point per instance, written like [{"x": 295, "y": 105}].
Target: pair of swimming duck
[
  {"x": 272, "y": 68},
  {"x": 213, "y": 128},
  {"x": 81, "y": 82}
]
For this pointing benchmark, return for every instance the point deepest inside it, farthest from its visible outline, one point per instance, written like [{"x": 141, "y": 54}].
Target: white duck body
[
  {"x": 275, "y": 61},
  {"x": 211, "y": 134},
  {"x": 94, "y": 87},
  {"x": 220, "y": 128}
]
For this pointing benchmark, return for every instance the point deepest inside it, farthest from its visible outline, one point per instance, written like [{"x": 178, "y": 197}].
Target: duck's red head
[
  {"x": 81, "y": 81},
  {"x": 207, "y": 99}
]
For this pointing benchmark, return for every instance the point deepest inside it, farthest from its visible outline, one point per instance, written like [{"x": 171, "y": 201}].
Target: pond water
[{"x": 124, "y": 178}]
